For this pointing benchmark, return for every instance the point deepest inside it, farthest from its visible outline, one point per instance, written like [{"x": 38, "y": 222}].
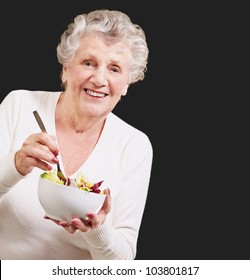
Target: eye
[
  {"x": 115, "y": 69},
  {"x": 88, "y": 63}
]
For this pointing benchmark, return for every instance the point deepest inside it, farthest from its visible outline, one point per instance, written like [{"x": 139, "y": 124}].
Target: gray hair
[{"x": 116, "y": 27}]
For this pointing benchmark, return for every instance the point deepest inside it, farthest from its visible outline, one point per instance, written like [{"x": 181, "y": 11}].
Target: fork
[{"x": 43, "y": 129}]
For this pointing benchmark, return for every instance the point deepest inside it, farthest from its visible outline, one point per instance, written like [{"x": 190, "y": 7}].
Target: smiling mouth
[{"x": 94, "y": 94}]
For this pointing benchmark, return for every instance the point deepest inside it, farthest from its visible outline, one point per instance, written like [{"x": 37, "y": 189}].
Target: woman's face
[{"x": 97, "y": 76}]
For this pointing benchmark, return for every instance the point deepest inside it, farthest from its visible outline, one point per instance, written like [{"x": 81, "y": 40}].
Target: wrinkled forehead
[
  {"x": 92, "y": 41},
  {"x": 112, "y": 41}
]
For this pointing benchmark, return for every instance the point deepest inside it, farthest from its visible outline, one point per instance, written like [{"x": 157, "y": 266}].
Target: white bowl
[{"x": 64, "y": 203}]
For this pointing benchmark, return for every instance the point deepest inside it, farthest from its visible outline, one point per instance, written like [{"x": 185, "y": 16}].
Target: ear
[
  {"x": 64, "y": 74},
  {"x": 125, "y": 91}
]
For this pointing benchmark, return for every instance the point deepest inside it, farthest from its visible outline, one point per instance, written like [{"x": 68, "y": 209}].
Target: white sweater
[{"x": 122, "y": 158}]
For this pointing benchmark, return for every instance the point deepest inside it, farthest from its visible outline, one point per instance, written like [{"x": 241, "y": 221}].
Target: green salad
[{"x": 79, "y": 182}]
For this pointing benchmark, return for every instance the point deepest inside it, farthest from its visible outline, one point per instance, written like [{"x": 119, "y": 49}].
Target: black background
[{"x": 197, "y": 206}]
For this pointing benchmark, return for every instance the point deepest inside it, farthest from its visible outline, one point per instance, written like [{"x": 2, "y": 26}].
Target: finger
[
  {"x": 38, "y": 146},
  {"x": 47, "y": 141},
  {"x": 67, "y": 226},
  {"x": 96, "y": 220},
  {"x": 106, "y": 207},
  {"x": 51, "y": 219},
  {"x": 27, "y": 164},
  {"x": 82, "y": 225},
  {"x": 38, "y": 151}
]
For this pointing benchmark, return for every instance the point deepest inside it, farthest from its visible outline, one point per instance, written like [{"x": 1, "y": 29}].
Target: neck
[{"x": 80, "y": 124}]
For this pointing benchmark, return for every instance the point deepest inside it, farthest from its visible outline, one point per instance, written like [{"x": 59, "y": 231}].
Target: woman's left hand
[{"x": 93, "y": 221}]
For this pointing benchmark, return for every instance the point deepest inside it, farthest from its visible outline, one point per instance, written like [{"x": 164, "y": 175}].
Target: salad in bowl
[{"x": 73, "y": 198}]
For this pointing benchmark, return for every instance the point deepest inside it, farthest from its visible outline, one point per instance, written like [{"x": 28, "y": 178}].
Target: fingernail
[
  {"x": 55, "y": 160},
  {"x": 90, "y": 215},
  {"x": 74, "y": 223},
  {"x": 49, "y": 167},
  {"x": 63, "y": 224}
]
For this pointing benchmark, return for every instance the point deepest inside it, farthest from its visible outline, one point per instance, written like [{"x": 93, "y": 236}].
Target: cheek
[
  {"x": 124, "y": 89},
  {"x": 76, "y": 75},
  {"x": 121, "y": 87},
  {"x": 124, "y": 92}
]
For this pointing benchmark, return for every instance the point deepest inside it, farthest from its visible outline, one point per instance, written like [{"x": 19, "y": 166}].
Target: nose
[{"x": 98, "y": 77}]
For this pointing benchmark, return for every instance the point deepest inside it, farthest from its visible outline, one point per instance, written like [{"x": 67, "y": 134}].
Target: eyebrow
[{"x": 118, "y": 62}]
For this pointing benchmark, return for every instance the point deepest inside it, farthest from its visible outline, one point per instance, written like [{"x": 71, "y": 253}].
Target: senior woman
[{"x": 102, "y": 53}]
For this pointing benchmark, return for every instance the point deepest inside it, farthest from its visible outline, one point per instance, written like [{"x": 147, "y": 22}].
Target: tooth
[{"x": 92, "y": 93}]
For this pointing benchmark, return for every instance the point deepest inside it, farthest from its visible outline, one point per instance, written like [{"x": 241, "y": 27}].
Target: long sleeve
[
  {"x": 119, "y": 241},
  {"x": 16, "y": 118},
  {"x": 9, "y": 176}
]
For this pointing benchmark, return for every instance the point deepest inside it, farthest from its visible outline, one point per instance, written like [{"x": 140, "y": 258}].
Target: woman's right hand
[{"x": 38, "y": 150}]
